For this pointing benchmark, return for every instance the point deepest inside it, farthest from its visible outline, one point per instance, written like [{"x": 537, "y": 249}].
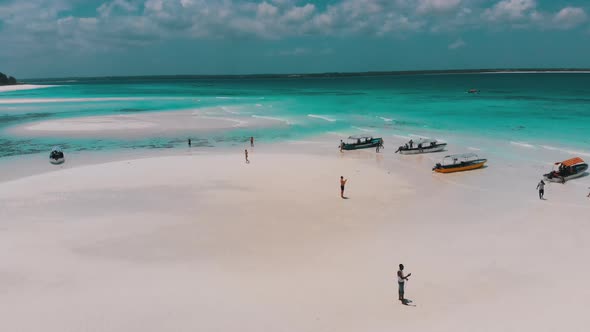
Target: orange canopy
[{"x": 572, "y": 161}]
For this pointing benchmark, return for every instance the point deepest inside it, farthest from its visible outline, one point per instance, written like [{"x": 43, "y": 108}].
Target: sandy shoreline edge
[{"x": 271, "y": 244}]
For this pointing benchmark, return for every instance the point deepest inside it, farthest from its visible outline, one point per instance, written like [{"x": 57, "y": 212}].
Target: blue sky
[{"x": 57, "y": 38}]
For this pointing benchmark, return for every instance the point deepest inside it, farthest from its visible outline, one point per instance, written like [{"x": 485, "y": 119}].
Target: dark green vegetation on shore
[{"x": 7, "y": 80}]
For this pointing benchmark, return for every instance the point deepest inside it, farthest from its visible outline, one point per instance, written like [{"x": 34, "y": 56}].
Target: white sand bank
[
  {"x": 8, "y": 101},
  {"x": 172, "y": 123},
  {"x": 18, "y": 87},
  {"x": 206, "y": 242}
]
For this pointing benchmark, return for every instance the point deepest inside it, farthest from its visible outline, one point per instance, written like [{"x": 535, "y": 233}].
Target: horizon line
[{"x": 330, "y": 74}]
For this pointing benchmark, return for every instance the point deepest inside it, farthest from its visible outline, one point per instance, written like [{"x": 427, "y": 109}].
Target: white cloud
[
  {"x": 154, "y": 5},
  {"x": 459, "y": 43},
  {"x": 106, "y": 8},
  {"x": 510, "y": 10},
  {"x": 300, "y": 13},
  {"x": 436, "y": 6},
  {"x": 569, "y": 17},
  {"x": 45, "y": 24},
  {"x": 266, "y": 9}
]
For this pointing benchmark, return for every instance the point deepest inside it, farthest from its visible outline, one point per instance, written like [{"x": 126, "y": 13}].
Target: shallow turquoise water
[{"x": 550, "y": 109}]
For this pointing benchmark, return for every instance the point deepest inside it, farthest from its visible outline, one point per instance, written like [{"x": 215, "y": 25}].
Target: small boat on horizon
[
  {"x": 360, "y": 142},
  {"x": 459, "y": 163},
  {"x": 423, "y": 145},
  {"x": 567, "y": 170},
  {"x": 472, "y": 91},
  {"x": 56, "y": 156}
]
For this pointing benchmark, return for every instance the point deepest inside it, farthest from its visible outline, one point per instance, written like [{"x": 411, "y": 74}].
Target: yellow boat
[{"x": 459, "y": 163}]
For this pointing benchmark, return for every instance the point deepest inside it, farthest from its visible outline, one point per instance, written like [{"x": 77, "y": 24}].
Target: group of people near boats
[{"x": 567, "y": 169}]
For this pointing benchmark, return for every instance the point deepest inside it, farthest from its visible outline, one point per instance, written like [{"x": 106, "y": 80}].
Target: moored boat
[
  {"x": 56, "y": 156},
  {"x": 459, "y": 163},
  {"x": 567, "y": 170},
  {"x": 422, "y": 145},
  {"x": 360, "y": 142}
]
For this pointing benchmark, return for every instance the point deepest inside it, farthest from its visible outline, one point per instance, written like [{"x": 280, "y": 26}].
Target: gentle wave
[
  {"x": 231, "y": 111},
  {"x": 547, "y": 147},
  {"x": 402, "y": 136},
  {"x": 271, "y": 118},
  {"x": 473, "y": 149},
  {"x": 385, "y": 119},
  {"x": 573, "y": 152},
  {"x": 238, "y": 122},
  {"x": 523, "y": 144},
  {"x": 578, "y": 153},
  {"x": 362, "y": 129},
  {"x": 322, "y": 117}
]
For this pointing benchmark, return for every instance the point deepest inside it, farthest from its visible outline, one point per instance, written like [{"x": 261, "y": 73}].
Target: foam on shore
[
  {"x": 321, "y": 117},
  {"x": 19, "y": 87}
]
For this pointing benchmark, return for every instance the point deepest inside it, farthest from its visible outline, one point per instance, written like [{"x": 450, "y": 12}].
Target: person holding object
[{"x": 401, "y": 282}]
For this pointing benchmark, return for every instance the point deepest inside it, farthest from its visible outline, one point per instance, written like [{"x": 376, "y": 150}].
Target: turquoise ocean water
[{"x": 538, "y": 108}]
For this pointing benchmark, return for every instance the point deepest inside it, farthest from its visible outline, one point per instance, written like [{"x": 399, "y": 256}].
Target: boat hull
[
  {"x": 581, "y": 171},
  {"x": 459, "y": 168},
  {"x": 57, "y": 161},
  {"x": 367, "y": 145},
  {"x": 428, "y": 149}
]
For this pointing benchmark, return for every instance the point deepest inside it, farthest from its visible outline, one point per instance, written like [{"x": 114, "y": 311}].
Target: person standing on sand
[
  {"x": 341, "y": 145},
  {"x": 401, "y": 282},
  {"x": 189, "y": 142},
  {"x": 246, "y": 154},
  {"x": 379, "y": 145},
  {"x": 541, "y": 187},
  {"x": 342, "y": 184},
  {"x": 588, "y": 193},
  {"x": 252, "y": 141}
]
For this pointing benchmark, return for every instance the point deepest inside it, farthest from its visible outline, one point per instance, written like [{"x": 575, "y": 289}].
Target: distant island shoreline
[
  {"x": 324, "y": 75},
  {"x": 7, "y": 80}
]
